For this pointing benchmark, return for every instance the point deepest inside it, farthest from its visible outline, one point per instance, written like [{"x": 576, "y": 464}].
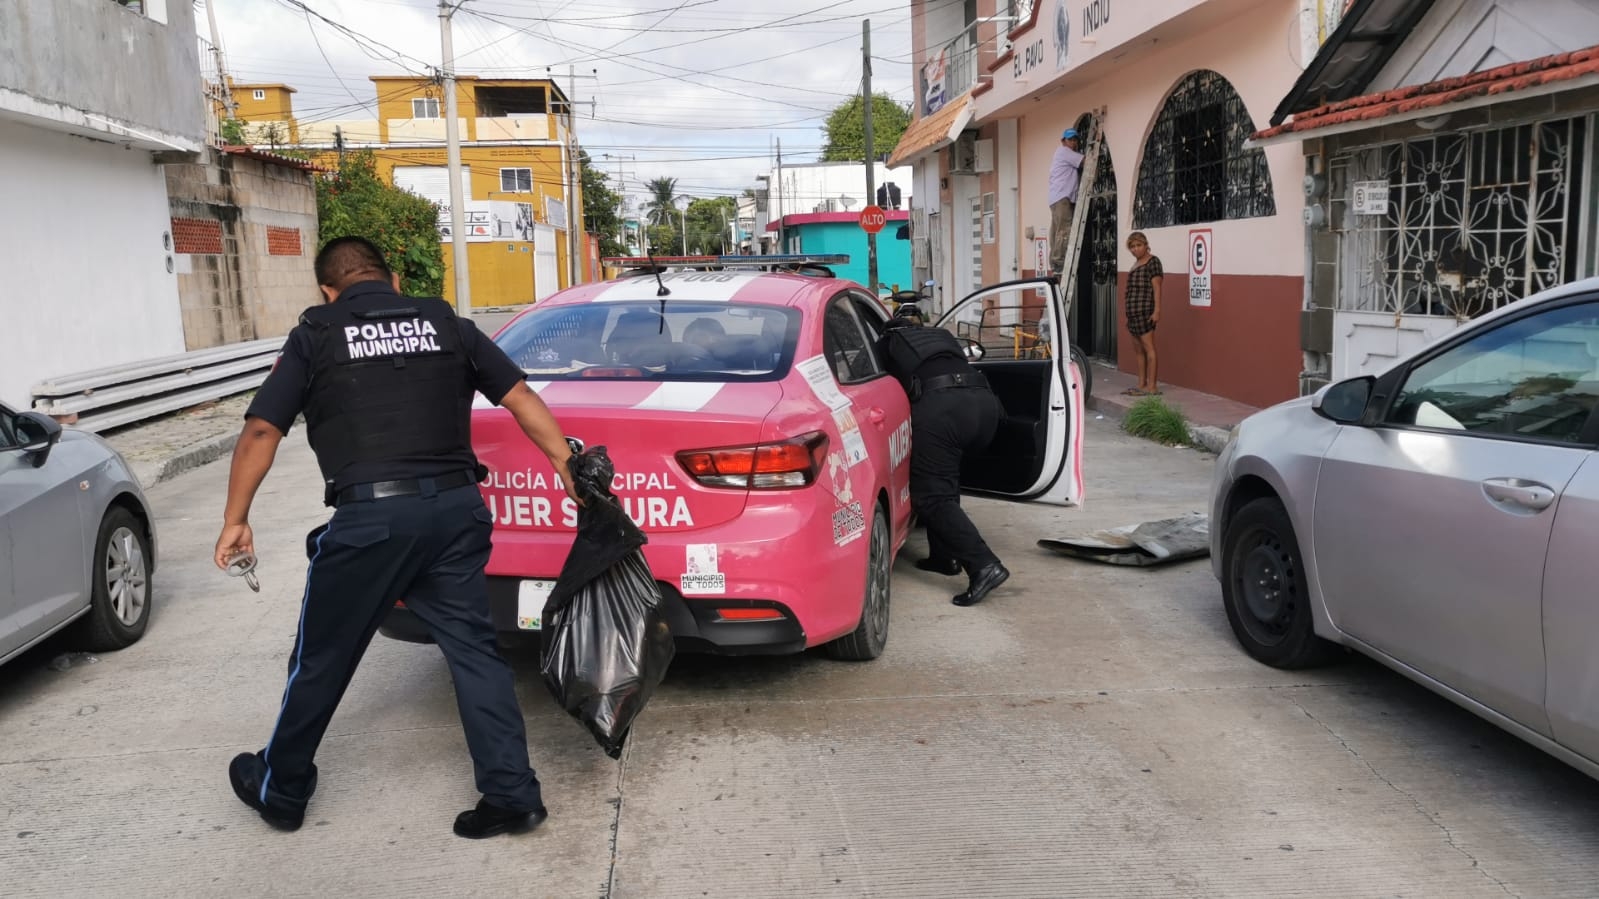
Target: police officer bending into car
[
  {"x": 386, "y": 384},
  {"x": 953, "y": 412}
]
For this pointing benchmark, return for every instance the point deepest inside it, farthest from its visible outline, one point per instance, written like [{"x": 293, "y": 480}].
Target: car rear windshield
[{"x": 680, "y": 340}]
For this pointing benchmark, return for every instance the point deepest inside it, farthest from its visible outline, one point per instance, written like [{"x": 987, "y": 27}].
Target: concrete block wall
[{"x": 246, "y": 292}]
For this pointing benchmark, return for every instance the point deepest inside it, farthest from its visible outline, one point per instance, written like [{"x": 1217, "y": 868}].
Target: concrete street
[{"x": 1089, "y": 731}]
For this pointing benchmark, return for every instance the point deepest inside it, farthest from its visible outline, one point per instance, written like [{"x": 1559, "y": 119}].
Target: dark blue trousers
[
  {"x": 430, "y": 551},
  {"x": 946, "y": 424}
]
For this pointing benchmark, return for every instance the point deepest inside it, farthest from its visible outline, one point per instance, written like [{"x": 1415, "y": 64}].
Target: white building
[
  {"x": 830, "y": 187},
  {"x": 84, "y": 131}
]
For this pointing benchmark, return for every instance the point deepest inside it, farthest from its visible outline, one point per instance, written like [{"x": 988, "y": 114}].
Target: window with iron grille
[
  {"x": 516, "y": 181},
  {"x": 1474, "y": 221},
  {"x": 1195, "y": 166},
  {"x": 425, "y": 107}
]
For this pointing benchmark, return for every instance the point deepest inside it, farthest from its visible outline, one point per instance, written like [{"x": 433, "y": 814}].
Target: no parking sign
[{"x": 1201, "y": 261}]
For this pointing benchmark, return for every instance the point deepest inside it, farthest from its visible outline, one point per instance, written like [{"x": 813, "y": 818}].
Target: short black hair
[{"x": 349, "y": 260}]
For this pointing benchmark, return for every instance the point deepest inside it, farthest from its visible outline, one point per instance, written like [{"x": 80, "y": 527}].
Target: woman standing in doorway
[{"x": 1143, "y": 311}]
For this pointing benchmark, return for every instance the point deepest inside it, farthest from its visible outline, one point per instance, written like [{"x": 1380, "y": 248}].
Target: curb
[
  {"x": 1203, "y": 437},
  {"x": 187, "y": 459}
]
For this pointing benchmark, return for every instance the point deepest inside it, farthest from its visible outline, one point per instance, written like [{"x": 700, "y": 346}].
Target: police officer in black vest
[
  {"x": 386, "y": 384},
  {"x": 953, "y": 412}
]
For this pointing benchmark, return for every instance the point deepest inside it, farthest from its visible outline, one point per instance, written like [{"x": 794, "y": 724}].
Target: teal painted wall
[{"x": 893, "y": 255}]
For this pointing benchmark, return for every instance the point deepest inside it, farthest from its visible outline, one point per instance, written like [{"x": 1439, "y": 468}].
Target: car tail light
[{"x": 769, "y": 466}]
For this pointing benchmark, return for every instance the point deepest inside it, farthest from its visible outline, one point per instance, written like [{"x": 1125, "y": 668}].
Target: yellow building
[{"x": 520, "y": 183}]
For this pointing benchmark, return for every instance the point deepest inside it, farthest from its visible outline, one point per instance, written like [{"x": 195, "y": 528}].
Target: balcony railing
[{"x": 950, "y": 72}]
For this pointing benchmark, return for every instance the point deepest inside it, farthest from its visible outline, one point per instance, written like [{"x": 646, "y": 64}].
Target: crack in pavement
[
  {"x": 616, "y": 822},
  {"x": 1449, "y": 835}
]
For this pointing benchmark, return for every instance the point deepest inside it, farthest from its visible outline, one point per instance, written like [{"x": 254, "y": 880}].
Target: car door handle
[
  {"x": 875, "y": 415},
  {"x": 1519, "y": 492}
]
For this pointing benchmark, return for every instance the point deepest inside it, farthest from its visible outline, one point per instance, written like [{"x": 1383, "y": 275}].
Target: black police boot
[
  {"x": 488, "y": 820},
  {"x": 245, "y": 773},
  {"x": 948, "y": 567},
  {"x": 984, "y": 580}
]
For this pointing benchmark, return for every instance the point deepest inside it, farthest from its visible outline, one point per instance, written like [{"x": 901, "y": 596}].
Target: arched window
[{"x": 1195, "y": 167}]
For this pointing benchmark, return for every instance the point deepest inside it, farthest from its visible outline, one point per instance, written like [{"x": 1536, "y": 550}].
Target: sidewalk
[
  {"x": 1210, "y": 417},
  {"x": 169, "y": 445}
]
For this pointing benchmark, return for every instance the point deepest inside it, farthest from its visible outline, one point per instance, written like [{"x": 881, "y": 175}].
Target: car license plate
[{"x": 530, "y": 599}]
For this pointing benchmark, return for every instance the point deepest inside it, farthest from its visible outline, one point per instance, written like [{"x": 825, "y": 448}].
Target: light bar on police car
[{"x": 729, "y": 261}]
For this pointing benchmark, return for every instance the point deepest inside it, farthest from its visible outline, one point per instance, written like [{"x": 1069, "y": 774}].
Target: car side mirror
[
  {"x": 1345, "y": 401},
  {"x": 37, "y": 433}
]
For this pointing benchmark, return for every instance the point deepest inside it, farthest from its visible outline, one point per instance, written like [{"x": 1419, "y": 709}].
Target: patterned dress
[{"x": 1140, "y": 304}]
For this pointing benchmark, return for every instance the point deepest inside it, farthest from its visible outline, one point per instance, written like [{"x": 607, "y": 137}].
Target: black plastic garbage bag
[{"x": 605, "y": 642}]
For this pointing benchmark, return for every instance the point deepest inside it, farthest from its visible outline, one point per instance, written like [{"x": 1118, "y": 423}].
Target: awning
[
  {"x": 1546, "y": 75},
  {"x": 933, "y": 132},
  {"x": 288, "y": 162}
]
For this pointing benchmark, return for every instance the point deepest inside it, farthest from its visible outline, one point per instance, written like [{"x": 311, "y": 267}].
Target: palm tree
[{"x": 661, "y": 205}]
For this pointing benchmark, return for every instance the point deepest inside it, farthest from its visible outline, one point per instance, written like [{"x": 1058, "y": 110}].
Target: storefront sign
[
  {"x": 1096, "y": 15},
  {"x": 1201, "y": 262},
  {"x": 1371, "y": 198},
  {"x": 1027, "y": 58}
]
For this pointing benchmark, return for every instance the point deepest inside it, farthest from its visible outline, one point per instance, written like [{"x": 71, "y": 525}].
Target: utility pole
[
  {"x": 452, "y": 140},
  {"x": 224, "y": 88},
  {"x": 571, "y": 180},
  {"x": 782, "y": 241},
  {"x": 871, "y": 157}
]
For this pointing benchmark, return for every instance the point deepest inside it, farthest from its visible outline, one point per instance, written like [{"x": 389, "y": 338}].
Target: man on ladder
[{"x": 1065, "y": 176}]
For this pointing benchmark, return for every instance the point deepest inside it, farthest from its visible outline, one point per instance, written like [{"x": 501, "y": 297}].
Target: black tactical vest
[
  {"x": 388, "y": 381},
  {"x": 911, "y": 348}
]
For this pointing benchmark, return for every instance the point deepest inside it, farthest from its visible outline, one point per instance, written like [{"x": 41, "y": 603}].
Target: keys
[{"x": 243, "y": 565}]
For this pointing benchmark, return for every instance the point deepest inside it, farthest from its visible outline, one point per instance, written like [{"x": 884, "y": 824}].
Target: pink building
[{"x": 1178, "y": 87}]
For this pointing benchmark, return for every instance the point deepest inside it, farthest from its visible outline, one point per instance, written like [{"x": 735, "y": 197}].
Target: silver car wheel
[{"x": 126, "y": 576}]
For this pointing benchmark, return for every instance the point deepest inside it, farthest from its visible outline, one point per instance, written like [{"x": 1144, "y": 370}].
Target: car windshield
[{"x": 680, "y": 340}]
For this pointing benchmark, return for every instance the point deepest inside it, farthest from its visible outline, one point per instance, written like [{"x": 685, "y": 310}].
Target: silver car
[
  {"x": 77, "y": 541},
  {"x": 1441, "y": 518}
]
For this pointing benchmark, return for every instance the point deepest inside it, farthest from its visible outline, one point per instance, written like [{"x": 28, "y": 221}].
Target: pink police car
[{"x": 758, "y": 442}]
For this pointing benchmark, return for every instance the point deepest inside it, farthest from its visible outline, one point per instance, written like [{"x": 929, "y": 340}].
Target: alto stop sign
[{"x": 873, "y": 218}]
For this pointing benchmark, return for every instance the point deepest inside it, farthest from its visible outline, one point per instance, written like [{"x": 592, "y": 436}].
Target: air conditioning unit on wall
[
  {"x": 963, "y": 154},
  {"x": 970, "y": 156}
]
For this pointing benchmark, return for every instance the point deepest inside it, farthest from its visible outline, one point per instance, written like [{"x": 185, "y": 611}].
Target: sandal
[{"x": 1131, "y": 391}]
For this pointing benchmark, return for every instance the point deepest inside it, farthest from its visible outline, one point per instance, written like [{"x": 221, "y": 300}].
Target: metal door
[{"x": 1571, "y": 616}]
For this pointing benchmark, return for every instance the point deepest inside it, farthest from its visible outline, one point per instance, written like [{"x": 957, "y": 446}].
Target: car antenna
[{"x": 663, "y": 292}]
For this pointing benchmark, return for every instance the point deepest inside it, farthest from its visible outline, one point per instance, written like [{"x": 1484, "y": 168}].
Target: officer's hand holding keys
[{"x": 235, "y": 553}]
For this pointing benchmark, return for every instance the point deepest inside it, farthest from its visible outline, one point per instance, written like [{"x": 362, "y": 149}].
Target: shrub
[
  {"x": 355, "y": 201},
  {"x": 1152, "y": 419}
]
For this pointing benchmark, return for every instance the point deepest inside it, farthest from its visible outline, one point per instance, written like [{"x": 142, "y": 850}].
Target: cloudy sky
[{"x": 699, "y": 90}]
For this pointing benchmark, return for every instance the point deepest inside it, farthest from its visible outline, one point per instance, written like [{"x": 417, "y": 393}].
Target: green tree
[
  {"x": 233, "y": 132},
  {"x": 845, "y": 130},
  {"x": 403, "y": 225},
  {"x": 709, "y": 222},
  {"x": 602, "y": 208},
  {"x": 660, "y": 212}
]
